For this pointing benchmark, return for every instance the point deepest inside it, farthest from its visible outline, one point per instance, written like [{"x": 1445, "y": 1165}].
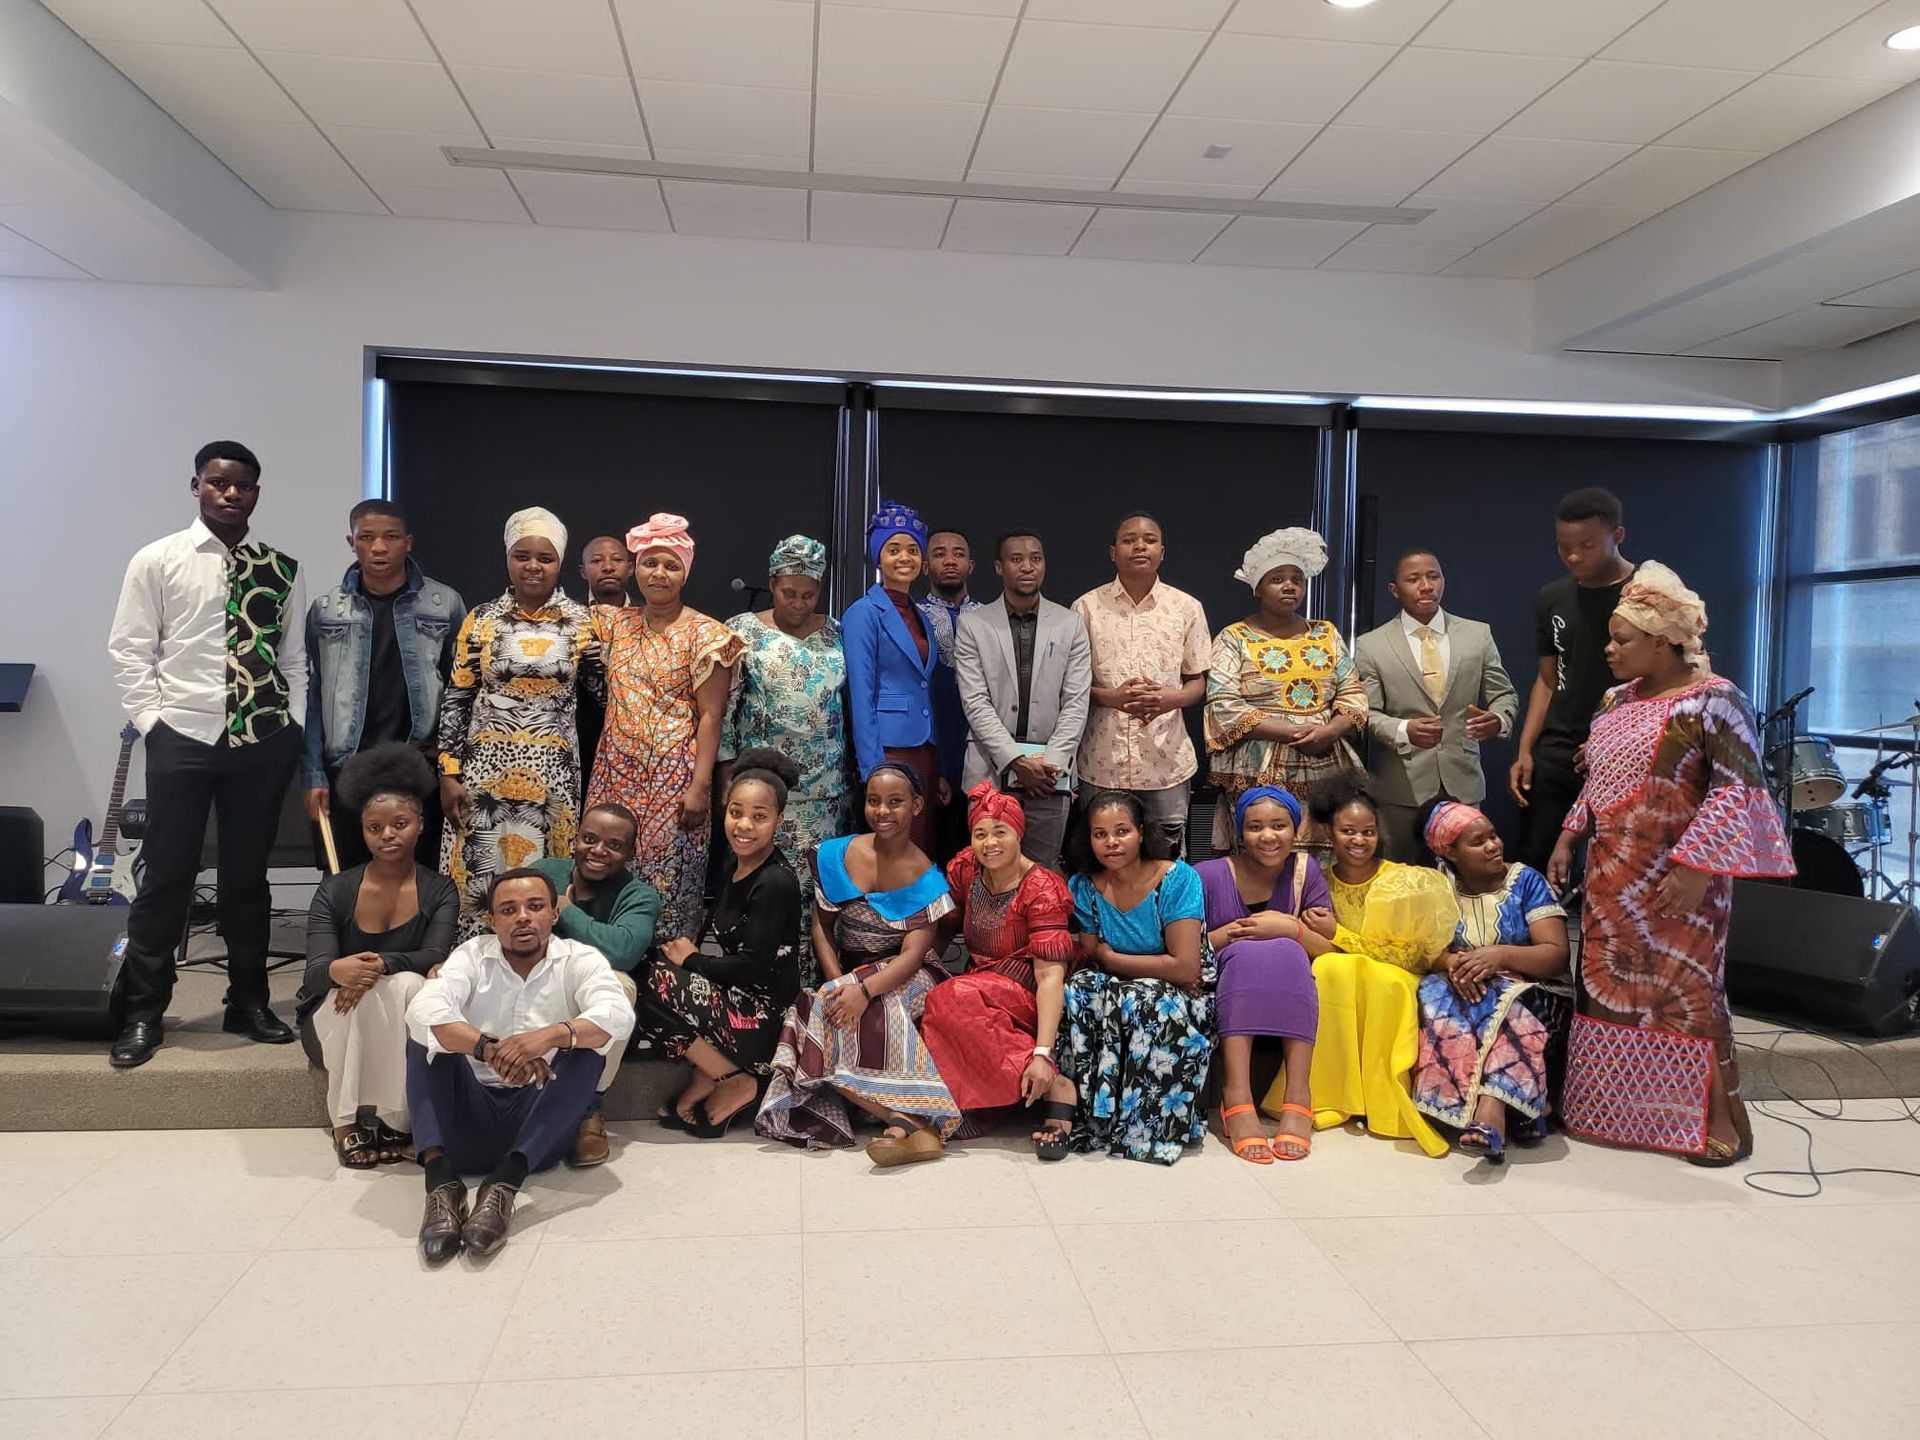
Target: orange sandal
[
  {"x": 1304, "y": 1142},
  {"x": 1247, "y": 1142}
]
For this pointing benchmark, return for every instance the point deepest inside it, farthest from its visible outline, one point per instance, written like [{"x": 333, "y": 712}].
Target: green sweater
[{"x": 618, "y": 923}]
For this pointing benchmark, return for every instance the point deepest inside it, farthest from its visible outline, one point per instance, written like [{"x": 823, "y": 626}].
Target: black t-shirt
[
  {"x": 389, "y": 711},
  {"x": 1570, "y": 626}
]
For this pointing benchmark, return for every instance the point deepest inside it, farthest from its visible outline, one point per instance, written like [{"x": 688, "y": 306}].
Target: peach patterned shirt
[{"x": 1163, "y": 638}]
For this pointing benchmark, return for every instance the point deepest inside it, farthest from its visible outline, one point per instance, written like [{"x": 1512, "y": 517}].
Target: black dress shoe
[
  {"x": 257, "y": 1022},
  {"x": 136, "y": 1044},
  {"x": 440, "y": 1226},
  {"x": 486, "y": 1228}
]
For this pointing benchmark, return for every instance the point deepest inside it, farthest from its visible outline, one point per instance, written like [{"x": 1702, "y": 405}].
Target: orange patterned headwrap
[{"x": 985, "y": 800}]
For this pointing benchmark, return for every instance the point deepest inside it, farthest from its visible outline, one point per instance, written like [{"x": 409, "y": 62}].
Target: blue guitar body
[
  {"x": 103, "y": 876},
  {"x": 73, "y": 890}
]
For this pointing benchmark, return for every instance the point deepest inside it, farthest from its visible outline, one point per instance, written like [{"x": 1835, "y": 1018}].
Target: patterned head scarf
[
  {"x": 894, "y": 519},
  {"x": 663, "y": 532},
  {"x": 1656, "y": 600},
  {"x": 798, "y": 555},
  {"x": 1448, "y": 822},
  {"x": 537, "y": 520},
  {"x": 1250, "y": 798},
  {"x": 984, "y": 801},
  {"x": 1294, "y": 545}
]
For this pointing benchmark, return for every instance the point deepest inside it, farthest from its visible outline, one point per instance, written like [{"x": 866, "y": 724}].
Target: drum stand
[{"x": 1880, "y": 885}]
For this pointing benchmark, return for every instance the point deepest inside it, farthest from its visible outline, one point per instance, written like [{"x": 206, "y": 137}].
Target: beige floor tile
[
  {"x": 74, "y": 1152},
  {"x": 654, "y": 1190},
  {"x": 71, "y": 1419},
  {"x": 1709, "y": 1269},
  {"x": 296, "y": 1306},
  {"x": 1565, "y": 1175},
  {"x": 1329, "y": 1392},
  {"x": 1001, "y": 1292},
  {"x": 1603, "y": 1387},
  {"x": 372, "y": 1210},
  {"x": 1350, "y": 1175},
  {"x": 1854, "y": 1381},
  {"x": 1881, "y": 1242},
  {"x": 1077, "y": 1398},
  {"x": 1423, "y": 1277},
  {"x": 24, "y": 1195},
  {"x": 375, "y": 1412},
  {"x": 626, "y": 1307},
  {"x": 764, "y": 1404},
  {"x": 1107, "y": 1189},
  {"x": 973, "y": 1184},
  {"x": 1214, "y": 1284},
  {"x": 83, "y": 1325}
]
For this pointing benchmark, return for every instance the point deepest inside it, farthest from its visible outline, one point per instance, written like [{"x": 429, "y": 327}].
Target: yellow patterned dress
[{"x": 507, "y": 732}]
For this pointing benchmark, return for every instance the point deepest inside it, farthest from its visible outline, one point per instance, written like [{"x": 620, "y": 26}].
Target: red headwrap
[
  {"x": 1448, "y": 822},
  {"x": 984, "y": 800}
]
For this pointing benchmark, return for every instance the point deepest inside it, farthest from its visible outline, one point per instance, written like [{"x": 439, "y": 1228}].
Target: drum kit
[{"x": 1840, "y": 840}]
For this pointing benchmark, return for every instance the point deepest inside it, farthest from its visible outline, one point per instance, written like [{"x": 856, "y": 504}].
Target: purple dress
[{"x": 1266, "y": 986}]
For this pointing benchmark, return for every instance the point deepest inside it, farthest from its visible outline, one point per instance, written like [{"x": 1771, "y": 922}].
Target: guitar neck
[{"x": 110, "y": 830}]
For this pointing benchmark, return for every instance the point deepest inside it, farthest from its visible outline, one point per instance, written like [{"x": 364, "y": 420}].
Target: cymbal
[{"x": 1912, "y": 722}]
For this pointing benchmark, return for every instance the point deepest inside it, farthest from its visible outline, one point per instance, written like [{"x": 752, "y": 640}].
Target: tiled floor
[{"x": 237, "y": 1283}]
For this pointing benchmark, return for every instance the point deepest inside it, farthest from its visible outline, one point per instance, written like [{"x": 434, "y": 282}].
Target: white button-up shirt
[
  {"x": 572, "y": 981},
  {"x": 169, "y": 638}
]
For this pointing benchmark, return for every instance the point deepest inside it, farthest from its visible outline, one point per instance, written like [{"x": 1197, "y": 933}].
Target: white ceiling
[{"x": 1533, "y": 129}]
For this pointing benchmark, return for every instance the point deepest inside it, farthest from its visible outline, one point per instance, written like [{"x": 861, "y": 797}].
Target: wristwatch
[{"x": 480, "y": 1047}]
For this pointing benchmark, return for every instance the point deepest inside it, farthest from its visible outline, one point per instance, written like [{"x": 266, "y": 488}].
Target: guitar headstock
[{"x": 129, "y": 733}]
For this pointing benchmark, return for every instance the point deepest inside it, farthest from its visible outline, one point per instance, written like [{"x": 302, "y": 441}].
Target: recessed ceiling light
[
  {"x": 1907, "y": 39},
  {"x": 1216, "y": 152},
  {"x": 1349, "y": 4}
]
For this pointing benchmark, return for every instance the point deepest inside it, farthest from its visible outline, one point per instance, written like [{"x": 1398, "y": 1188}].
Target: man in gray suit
[
  {"x": 1435, "y": 691},
  {"x": 1025, "y": 671}
]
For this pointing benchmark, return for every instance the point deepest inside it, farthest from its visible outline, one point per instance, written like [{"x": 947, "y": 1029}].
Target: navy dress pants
[{"x": 480, "y": 1125}]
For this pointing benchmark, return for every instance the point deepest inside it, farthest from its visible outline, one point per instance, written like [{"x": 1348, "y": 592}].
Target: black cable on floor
[{"x": 1811, "y": 1172}]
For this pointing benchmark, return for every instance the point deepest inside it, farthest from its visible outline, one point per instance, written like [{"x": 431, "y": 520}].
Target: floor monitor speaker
[
  {"x": 60, "y": 966},
  {"x": 1828, "y": 959}
]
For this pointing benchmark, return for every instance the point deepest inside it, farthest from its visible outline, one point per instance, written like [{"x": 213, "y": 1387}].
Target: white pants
[
  {"x": 612, "y": 1064},
  {"x": 365, "y": 1051}
]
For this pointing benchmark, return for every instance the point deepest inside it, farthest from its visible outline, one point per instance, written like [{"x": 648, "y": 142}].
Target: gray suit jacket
[
  {"x": 1058, "y": 694},
  {"x": 1395, "y": 692}
]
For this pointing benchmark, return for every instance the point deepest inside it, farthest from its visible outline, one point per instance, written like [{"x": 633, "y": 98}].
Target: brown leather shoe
[
  {"x": 486, "y": 1228},
  {"x": 590, "y": 1143},
  {"x": 440, "y": 1227}
]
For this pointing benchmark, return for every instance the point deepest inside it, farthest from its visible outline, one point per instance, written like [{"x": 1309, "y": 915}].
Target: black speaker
[
  {"x": 23, "y": 855},
  {"x": 1830, "y": 959},
  {"x": 60, "y": 966}
]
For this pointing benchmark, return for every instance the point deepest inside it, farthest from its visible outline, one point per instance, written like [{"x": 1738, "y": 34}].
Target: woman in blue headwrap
[
  {"x": 1256, "y": 898},
  {"x": 890, "y": 665}
]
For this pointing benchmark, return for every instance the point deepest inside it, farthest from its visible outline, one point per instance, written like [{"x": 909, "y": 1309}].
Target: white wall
[{"x": 107, "y": 390}]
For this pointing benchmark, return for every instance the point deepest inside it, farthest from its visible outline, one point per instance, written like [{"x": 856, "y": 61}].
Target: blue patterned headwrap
[
  {"x": 1263, "y": 792},
  {"x": 890, "y": 520},
  {"x": 798, "y": 555}
]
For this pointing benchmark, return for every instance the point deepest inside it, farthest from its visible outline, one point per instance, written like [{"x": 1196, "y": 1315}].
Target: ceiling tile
[
  {"x": 872, "y": 135},
  {"x": 592, "y": 202},
  {"x": 1776, "y": 110},
  {"x": 1174, "y": 152},
  {"x": 152, "y": 22},
  {"x": 720, "y": 42},
  {"x": 574, "y": 109},
  {"x": 493, "y": 201},
  {"x": 1550, "y": 238},
  {"x": 203, "y": 80},
  {"x": 1809, "y": 278},
  {"x": 364, "y": 29},
  {"x": 1173, "y": 14},
  {"x": 1617, "y": 100},
  {"x": 1556, "y": 27},
  {"x": 570, "y": 37},
  {"x": 1900, "y": 293},
  {"x": 727, "y": 119},
  {"x": 756, "y": 212},
  {"x": 21, "y": 259},
  {"x": 1368, "y": 254},
  {"x": 393, "y": 94},
  {"x": 1509, "y": 167},
  {"x": 409, "y": 157},
  {"x": 1259, "y": 77},
  {"x": 1678, "y": 327},
  {"x": 1816, "y": 327},
  {"x": 289, "y": 165},
  {"x": 1013, "y": 228},
  {"x": 1059, "y": 142},
  {"x": 1454, "y": 90},
  {"x": 1295, "y": 244},
  {"x": 1456, "y": 221},
  {"x": 913, "y": 222},
  {"x": 864, "y": 51},
  {"x": 1355, "y": 157},
  {"x": 1734, "y": 34},
  {"x": 1859, "y": 51},
  {"x": 1660, "y": 176},
  {"x": 1391, "y": 24},
  {"x": 1149, "y": 235},
  {"x": 1096, "y": 67}
]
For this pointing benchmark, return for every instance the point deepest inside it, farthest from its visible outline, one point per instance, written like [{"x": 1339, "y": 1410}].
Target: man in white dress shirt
[
  {"x": 209, "y": 654},
  {"x": 1436, "y": 691},
  {"x": 505, "y": 1046}
]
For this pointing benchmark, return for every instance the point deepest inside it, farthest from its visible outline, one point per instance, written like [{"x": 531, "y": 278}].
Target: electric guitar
[{"x": 103, "y": 876}]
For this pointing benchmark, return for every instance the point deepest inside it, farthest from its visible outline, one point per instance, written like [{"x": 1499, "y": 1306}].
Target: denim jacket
[{"x": 426, "y": 618}]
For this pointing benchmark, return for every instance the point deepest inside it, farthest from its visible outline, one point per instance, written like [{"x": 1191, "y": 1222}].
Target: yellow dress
[{"x": 1369, "y": 1035}]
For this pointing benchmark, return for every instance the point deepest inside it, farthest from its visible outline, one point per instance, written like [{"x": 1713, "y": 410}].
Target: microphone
[
  {"x": 1870, "y": 783},
  {"x": 748, "y": 588},
  {"x": 1788, "y": 706}
]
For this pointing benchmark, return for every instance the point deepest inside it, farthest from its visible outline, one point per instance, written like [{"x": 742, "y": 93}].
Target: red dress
[{"x": 980, "y": 1026}]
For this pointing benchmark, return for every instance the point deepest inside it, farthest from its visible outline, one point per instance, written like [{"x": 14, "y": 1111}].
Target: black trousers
[
  {"x": 245, "y": 786},
  {"x": 1556, "y": 788}
]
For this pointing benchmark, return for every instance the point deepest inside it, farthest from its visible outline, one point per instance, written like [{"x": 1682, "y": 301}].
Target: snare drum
[
  {"x": 1856, "y": 824},
  {"x": 1813, "y": 775}
]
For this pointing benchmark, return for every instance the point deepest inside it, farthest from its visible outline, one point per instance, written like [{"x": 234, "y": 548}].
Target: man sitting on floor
[{"x": 506, "y": 1045}]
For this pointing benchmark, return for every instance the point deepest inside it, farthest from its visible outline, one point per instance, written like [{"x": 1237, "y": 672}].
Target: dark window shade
[{"x": 745, "y": 473}]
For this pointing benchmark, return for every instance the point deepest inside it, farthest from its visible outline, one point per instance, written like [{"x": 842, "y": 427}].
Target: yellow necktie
[{"x": 1430, "y": 673}]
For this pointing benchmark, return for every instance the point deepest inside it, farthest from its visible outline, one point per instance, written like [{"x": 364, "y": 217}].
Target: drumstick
[{"x": 326, "y": 839}]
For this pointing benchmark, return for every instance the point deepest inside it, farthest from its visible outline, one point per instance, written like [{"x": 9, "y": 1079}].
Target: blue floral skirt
[{"x": 1137, "y": 1051}]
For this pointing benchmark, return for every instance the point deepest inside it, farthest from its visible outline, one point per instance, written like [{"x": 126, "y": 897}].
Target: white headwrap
[
  {"x": 537, "y": 520},
  {"x": 1658, "y": 601},
  {"x": 1294, "y": 545}
]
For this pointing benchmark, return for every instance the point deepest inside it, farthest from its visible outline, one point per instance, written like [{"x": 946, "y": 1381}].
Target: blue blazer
[{"x": 890, "y": 701}]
